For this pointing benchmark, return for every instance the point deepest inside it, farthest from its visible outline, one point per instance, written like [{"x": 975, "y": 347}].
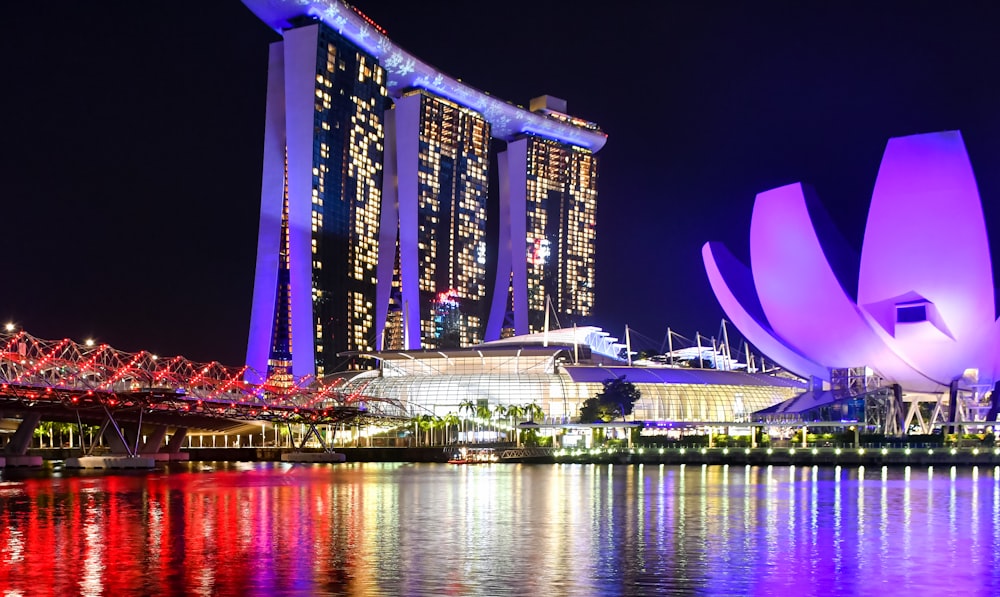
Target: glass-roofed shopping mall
[{"x": 557, "y": 371}]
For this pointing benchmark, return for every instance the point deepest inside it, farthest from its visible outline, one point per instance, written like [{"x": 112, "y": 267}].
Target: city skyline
[{"x": 140, "y": 229}]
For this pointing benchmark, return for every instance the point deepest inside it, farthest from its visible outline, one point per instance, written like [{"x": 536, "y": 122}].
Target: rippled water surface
[{"x": 430, "y": 529}]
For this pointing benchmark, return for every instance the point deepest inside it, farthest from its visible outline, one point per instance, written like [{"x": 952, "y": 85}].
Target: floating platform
[
  {"x": 111, "y": 462},
  {"x": 313, "y": 457}
]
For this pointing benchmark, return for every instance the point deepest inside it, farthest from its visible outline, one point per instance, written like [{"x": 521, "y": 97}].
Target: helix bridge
[{"x": 64, "y": 380}]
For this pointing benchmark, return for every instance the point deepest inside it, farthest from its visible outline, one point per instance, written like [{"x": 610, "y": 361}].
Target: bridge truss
[{"x": 60, "y": 377}]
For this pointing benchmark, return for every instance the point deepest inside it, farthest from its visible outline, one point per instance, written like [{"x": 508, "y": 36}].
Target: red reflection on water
[{"x": 229, "y": 532}]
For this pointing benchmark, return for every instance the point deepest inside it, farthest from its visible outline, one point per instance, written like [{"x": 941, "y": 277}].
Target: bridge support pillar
[
  {"x": 21, "y": 441},
  {"x": 124, "y": 451},
  {"x": 153, "y": 440},
  {"x": 327, "y": 455},
  {"x": 120, "y": 439},
  {"x": 177, "y": 440},
  {"x": 175, "y": 444}
]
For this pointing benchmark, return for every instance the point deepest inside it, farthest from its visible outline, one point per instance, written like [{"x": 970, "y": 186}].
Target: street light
[
  {"x": 89, "y": 341},
  {"x": 10, "y": 327}
]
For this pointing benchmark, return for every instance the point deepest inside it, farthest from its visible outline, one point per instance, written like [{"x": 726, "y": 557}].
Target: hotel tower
[
  {"x": 432, "y": 267},
  {"x": 374, "y": 199}
]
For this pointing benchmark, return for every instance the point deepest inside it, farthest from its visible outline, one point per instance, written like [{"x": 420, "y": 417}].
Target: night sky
[{"x": 131, "y": 136}]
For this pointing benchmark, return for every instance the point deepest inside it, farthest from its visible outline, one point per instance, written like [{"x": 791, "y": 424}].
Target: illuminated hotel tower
[
  {"x": 324, "y": 222},
  {"x": 548, "y": 202},
  {"x": 314, "y": 290},
  {"x": 432, "y": 266}
]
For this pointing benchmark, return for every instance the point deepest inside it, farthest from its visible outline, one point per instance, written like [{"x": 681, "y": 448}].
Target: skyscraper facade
[
  {"x": 561, "y": 223},
  {"x": 548, "y": 198},
  {"x": 374, "y": 201},
  {"x": 314, "y": 291},
  {"x": 435, "y": 219}
]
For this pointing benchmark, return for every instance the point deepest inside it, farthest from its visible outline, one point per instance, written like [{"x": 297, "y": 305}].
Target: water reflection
[{"x": 502, "y": 529}]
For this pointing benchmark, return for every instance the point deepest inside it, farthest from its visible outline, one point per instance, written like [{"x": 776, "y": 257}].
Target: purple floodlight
[
  {"x": 924, "y": 312},
  {"x": 406, "y": 71}
]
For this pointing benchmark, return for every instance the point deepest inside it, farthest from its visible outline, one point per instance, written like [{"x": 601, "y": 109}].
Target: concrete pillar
[
  {"x": 900, "y": 413},
  {"x": 154, "y": 440},
  {"x": 21, "y": 441},
  {"x": 177, "y": 440},
  {"x": 115, "y": 442},
  {"x": 953, "y": 407}
]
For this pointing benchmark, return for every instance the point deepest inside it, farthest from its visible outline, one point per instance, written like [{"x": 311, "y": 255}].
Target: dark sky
[{"x": 131, "y": 134}]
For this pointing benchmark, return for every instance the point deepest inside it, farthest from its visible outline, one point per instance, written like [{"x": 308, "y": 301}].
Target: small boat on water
[{"x": 474, "y": 456}]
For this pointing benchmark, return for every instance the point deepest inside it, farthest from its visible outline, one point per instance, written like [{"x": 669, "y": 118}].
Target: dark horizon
[{"x": 133, "y": 140}]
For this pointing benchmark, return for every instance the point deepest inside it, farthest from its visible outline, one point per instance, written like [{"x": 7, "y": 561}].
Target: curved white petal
[
  {"x": 926, "y": 281},
  {"x": 801, "y": 296},
  {"x": 732, "y": 284}
]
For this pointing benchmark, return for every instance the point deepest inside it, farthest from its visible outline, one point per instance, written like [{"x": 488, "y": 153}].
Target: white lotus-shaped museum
[{"x": 922, "y": 315}]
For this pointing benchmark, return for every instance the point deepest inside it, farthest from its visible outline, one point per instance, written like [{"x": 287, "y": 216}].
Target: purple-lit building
[
  {"x": 921, "y": 316},
  {"x": 373, "y": 202}
]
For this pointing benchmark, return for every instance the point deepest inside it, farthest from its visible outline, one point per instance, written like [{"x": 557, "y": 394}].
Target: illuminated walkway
[{"x": 62, "y": 380}]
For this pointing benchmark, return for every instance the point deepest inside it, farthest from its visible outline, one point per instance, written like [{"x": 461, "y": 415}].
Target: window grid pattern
[
  {"x": 453, "y": 181},
  {"x": 561, "y": 211},
  {"x": 346, "y": 196}
]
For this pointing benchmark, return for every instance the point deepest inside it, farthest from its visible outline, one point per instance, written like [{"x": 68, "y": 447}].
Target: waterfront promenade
[{"x": 916, "y": 455}]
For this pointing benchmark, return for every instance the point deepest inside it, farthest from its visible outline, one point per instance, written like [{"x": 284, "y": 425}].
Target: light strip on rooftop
[{"x": 406, "y": 71}]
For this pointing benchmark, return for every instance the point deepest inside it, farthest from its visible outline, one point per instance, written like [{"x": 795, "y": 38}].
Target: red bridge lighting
[{"x": 35, "y": 368}]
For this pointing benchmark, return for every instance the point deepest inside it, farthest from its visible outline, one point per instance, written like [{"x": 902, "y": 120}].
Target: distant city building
[{"x": 374, "y": 201}]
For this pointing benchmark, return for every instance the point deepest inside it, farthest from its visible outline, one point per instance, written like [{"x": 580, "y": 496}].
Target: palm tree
[
  {"x": 499, "y": 412},
  {"x": 436, "y": 423},
  {"x": 449, "y": 420},
  {"x": 516, "y": 413},
  {"x": 483, "y": 413},
  {"x": 43, "y": 429},
  {"x": 426, "y": 424},
  {"x": 470, "y": 407},
  {"x": 535, "y": 411}
]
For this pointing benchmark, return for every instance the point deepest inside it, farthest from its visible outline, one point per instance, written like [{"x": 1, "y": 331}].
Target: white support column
[
  {"x": 271, "y": 200},
  {"x": 407, "y": 141},
  {"x": 498, "y": 309},
  {"x": 517, "y": 186},
  {"x": 388, "y": 228},
  {"x": 300, "y": 98}
]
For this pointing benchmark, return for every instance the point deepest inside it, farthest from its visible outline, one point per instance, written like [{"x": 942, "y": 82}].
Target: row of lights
[
  {"x": 725, "y": 451},
  {"x": 11, "y": 327}
]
